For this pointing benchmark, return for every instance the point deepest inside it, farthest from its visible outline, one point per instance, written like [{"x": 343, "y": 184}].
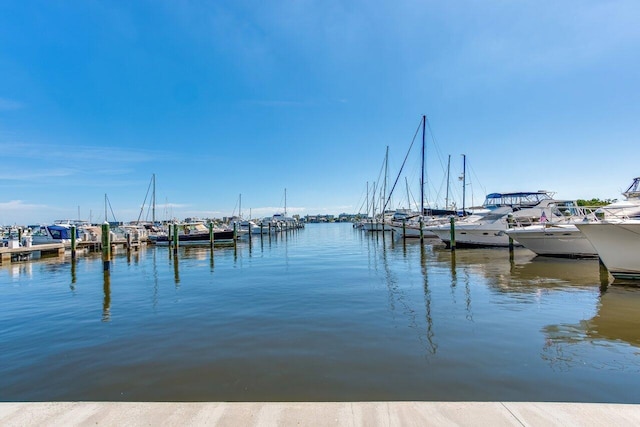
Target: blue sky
[{"x": 221, "y": 98}]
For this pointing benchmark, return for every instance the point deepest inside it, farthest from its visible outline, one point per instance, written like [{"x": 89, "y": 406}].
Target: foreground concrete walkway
[{"x": 318, "y": 414}]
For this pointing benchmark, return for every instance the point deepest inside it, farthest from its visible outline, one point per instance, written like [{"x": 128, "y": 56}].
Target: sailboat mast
[
  {"x": 153, "y": 201},
  {"x": 240, "y": 206},
  {"x": 105, "y": 208},
  {"x": 367, "y": 199},
  {"x": 386, "y": 174},
  {"x": 285, "y": 202},
  {"x": 446, "y": 199},
  {"x": 424, "y": 123},
  {"x": 373, "y": 202},
  {"x": 464, "y": 182},
  {"x": 406, "y": 184}
]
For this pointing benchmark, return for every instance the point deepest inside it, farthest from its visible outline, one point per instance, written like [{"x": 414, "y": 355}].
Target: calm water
[{"x": 326, "y": 313}]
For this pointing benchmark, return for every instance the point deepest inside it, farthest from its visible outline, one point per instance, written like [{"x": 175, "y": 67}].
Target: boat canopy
[
  {"x": 495, "y": 200},
  {"x": 59, "y": 232}
]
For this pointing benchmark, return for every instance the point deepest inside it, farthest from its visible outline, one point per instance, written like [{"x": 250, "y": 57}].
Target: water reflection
[
  {"x": 106, "y": 302},
  {"x": 74, "y": 279},
  {"x": 522, "y": 272},
  {"x": 16, "y": 270},
  {"x": 616, "y": 321},
  {"x": 432, "y": 347},
  {"x": 176, "y": 270}
]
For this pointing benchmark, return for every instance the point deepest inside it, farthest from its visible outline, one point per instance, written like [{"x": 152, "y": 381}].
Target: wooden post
[
  {"x": 106, "y": 247},
  {"x": 510, "y": 224},
  {"x": 176, "y": 240},
  {"x": 128, "y": 241},
  {"x": 211, "y": 237},
  {"x": 452, "y": 243},
  {"x": 421, "y": 230},
  {"x": 73, "y": 242},
  {"x": 404, "y": 230}
]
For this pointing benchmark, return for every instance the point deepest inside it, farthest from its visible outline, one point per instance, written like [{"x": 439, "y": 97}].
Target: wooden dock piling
[
  {"x": 211, "y": 237},
  {"x": 176, "y": 240},
  {"x": 73, "y": 242},
  {"x": 106, "y": 247},
  {"x": 452, "y": 243}
]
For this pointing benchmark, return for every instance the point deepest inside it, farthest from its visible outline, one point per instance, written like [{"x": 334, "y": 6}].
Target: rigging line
[
  {"x": 476, "y": 177},
  {"x": 111, "y": 209},
  {"x": 435, "y": 144},
  {"x": 145, "y": 201},
  {"x": 363, "y": 198},
  {"x": 403, "y": 163},
  {"x": 380, "y": 173}
]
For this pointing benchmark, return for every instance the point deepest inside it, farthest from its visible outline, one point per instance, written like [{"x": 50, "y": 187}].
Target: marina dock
[
  {"x": 8, "y": 255},
  {"x": 318, "y": 413},
  {"x": 34, "y": 252}
]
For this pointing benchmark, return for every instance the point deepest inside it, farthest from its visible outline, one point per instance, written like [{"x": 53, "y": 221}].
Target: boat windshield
[
  {"x": 633, "y": 192},
  {"x": 495, "y": 200}
]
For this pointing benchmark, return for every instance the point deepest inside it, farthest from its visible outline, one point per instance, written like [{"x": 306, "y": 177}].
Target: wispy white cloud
[
  {"x": 81, "y": 154},
  {"x": 34, "y": 174},
  {"x": 276, "y": 103},
  {"x": 19, "y": 205},
  {"x": 9, "y": 104}
]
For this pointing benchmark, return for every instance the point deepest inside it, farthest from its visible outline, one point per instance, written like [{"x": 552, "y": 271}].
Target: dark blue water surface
[{"x": 325, "y": 313}]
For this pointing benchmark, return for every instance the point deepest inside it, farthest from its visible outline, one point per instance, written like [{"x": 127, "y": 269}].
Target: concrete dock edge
[{"x": 317, "y": 414}]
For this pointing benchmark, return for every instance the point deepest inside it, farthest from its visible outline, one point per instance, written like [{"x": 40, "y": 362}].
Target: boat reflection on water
[
  {"x": 615, "y": 322},
  {"x": 523, "y": 271},
  {"x": 617, "y": 318}
]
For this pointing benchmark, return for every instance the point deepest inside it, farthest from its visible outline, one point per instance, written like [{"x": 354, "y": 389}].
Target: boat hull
[
  {"x": 559, "y": 241},
  {"x": 197, "y": 238},
  {"x": 478, "y": 237},
  {"x": 617, "y": 244},
  {"x": 375, "y": 226},
  {"x": 412, "y": 232}
]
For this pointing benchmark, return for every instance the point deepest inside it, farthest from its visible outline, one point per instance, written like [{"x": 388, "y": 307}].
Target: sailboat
[
  {"x": 408, "y": 225},
  {"x": 378, "y": 221}
]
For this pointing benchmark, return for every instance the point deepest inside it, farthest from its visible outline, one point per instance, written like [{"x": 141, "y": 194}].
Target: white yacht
[
  {"x": 499, "y": 212},
  {"x": 617, "y": 244},
  {"x": 408, "y": 226},
  {"x": 559, "y": 236}
]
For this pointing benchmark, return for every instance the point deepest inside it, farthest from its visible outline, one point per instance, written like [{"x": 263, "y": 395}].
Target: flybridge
[
  {"x": 633, "y": 192},
  {"x": 495, "y": 200}
]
